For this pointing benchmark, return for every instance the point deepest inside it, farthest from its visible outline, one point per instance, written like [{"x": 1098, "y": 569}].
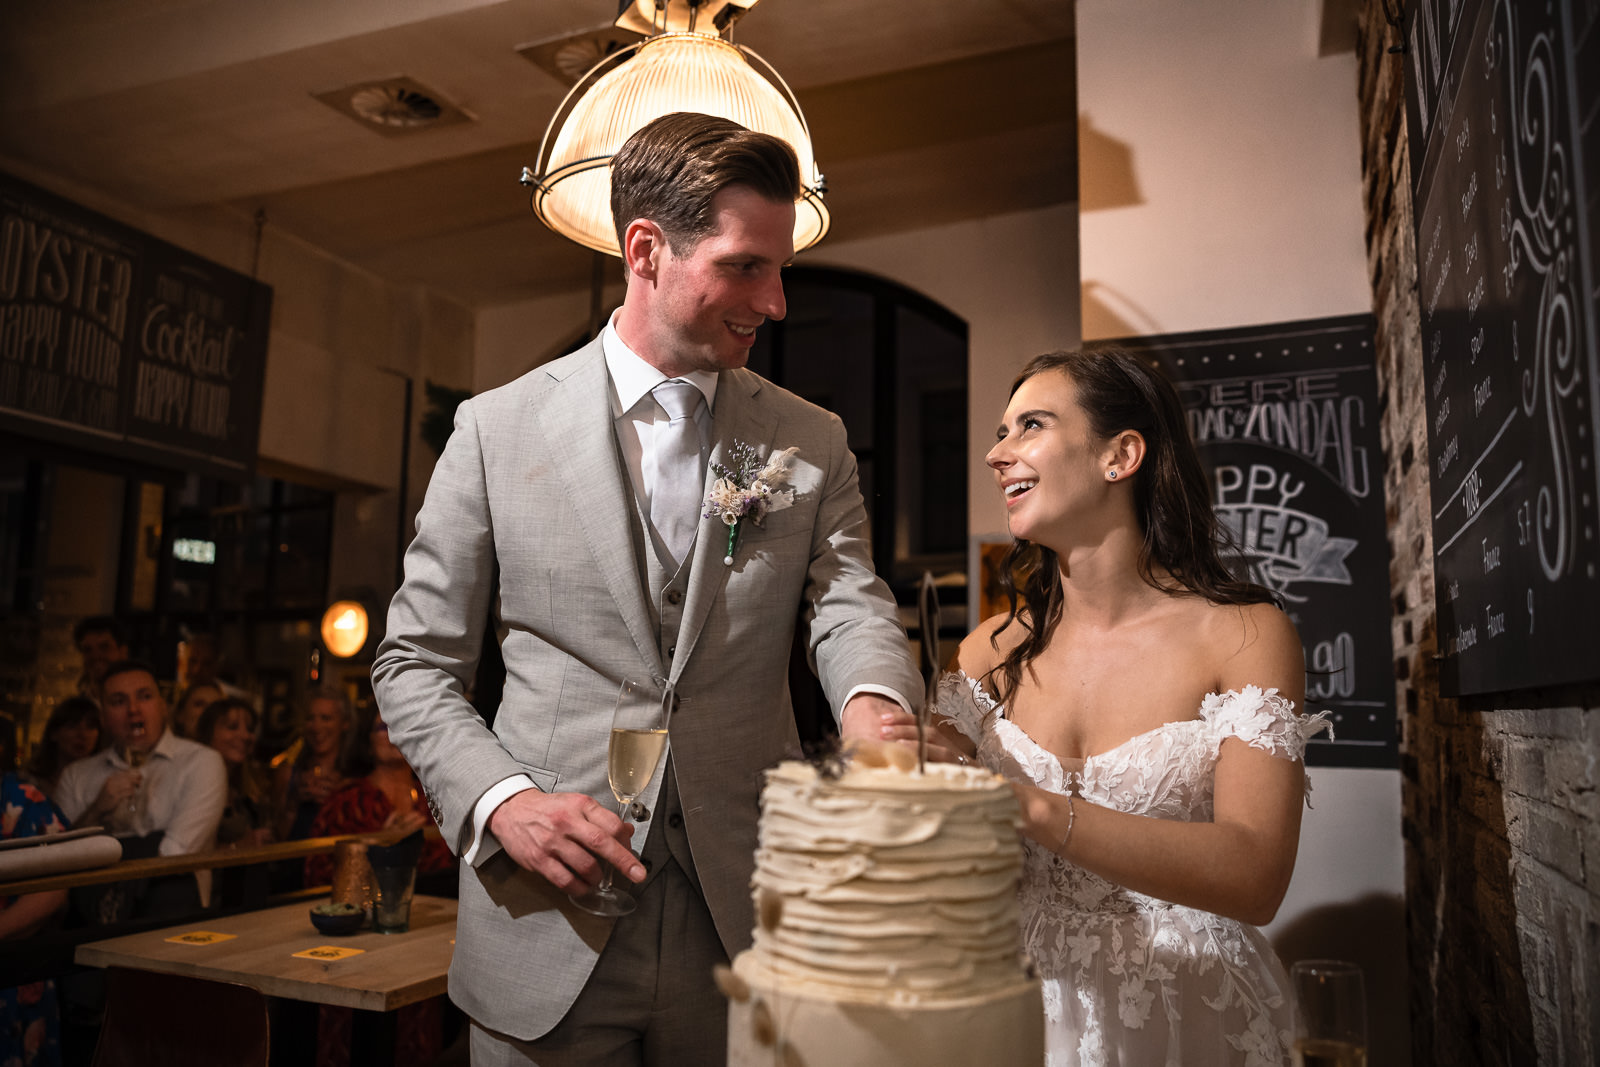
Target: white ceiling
[{"x": 921, "y": 112}]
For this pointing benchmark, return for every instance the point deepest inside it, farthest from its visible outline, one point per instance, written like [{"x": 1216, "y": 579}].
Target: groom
[{"x": 569, "y": 502}]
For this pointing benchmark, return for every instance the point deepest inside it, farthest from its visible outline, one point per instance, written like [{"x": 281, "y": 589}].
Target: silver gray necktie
[{"x": 680, "y": 475}]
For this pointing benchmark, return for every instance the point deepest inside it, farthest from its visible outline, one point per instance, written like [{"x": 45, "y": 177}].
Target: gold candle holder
[{"x": 352, "y": 875}]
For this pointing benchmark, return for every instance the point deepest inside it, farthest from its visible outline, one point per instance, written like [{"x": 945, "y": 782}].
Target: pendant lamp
[{"x": 685, "y": 64}]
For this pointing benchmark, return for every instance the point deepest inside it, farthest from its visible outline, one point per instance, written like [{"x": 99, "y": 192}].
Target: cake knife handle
[{"x": 928, "y": 619}]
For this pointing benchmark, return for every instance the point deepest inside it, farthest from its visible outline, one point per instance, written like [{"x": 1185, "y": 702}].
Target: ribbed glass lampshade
[{"x": 670, "y": 72}]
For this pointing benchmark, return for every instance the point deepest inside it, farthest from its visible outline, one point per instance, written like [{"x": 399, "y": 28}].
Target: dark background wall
[{"x": 1501, "y": 793}]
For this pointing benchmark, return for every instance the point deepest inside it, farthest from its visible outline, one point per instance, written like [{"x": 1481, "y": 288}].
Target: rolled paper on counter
[{"x": 58, "y": 854}]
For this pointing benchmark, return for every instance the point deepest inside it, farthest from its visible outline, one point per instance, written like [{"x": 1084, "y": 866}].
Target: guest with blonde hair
[{"x": 313, "y": 766}]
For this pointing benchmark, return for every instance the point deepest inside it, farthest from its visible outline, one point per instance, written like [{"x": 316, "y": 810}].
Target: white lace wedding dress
[{"x": 1129, "y": 980}]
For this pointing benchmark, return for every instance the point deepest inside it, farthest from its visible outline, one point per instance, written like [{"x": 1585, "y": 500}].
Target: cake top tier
[{"x": 882, "y": 885}]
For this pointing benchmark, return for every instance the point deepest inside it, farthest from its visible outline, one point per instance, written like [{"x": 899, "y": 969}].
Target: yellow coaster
[
  {"x": 201, "y": 937},
  {"x": 329, "y": 952}
]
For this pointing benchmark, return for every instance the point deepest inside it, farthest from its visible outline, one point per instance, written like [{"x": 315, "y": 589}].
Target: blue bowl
[{"x": 337, "y": 924}]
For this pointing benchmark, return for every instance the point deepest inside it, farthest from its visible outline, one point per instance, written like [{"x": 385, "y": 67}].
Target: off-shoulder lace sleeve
[
  {"x": 964, "y": 703},
  {"x": 1262, "y": 719}
]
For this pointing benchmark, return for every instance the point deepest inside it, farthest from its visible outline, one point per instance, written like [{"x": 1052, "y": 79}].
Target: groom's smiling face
[{"x": 708, "y": 302}]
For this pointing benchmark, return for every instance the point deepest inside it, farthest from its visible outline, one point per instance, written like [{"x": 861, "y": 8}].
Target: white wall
[
  {"x": 514, "y": 338},
  {"x": 1228, "y": 157},
  {"x": 1244, "y": 150}
]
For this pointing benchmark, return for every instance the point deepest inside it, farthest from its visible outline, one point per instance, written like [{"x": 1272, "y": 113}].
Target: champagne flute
[
  {"x": 122, "y": 818},
  {"x": 638, "y": 738}
]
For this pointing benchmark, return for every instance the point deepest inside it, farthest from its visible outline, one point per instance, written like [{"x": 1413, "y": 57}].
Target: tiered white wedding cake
[{"x": 887, "y": 924}]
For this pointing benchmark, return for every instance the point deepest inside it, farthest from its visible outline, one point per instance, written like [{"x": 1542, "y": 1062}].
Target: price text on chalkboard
[
  {"x": 1506, "y": 218},
  {"x": 117, "y": 342},
  {"x": 1286, "y": 421}
]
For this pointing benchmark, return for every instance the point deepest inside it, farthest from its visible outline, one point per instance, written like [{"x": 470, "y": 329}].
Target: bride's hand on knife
[{"x": 873, "y": 718}]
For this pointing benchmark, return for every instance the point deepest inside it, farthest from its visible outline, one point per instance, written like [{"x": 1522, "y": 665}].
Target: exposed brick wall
[{"x": 1500, "y": 808}]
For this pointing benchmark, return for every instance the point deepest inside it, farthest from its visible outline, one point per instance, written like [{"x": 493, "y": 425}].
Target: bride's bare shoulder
[
  {"x": 1253, "y": 644},
  {"x": 985, "y": 647}
]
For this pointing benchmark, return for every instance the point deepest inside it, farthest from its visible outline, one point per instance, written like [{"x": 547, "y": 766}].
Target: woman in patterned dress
[
  {"x": 1142, "y": 702},
  {"x": 29, "y": 1028}
]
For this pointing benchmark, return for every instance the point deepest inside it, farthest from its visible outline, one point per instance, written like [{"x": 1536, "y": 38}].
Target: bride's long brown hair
[{"x": 1119, "y": 391}]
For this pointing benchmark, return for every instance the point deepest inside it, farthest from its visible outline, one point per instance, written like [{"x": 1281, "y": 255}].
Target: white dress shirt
[{"x": 182, "y": 794}]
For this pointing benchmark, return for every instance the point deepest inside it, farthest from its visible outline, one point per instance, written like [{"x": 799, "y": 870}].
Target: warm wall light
[
  {"x": 344, "y": 628},
  {"x": 685, "y": 65}
]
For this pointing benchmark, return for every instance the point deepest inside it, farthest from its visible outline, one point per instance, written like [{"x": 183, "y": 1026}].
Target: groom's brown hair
[{"x": 673, "y": 167}]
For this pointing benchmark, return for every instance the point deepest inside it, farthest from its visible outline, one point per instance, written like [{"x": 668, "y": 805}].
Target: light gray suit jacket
[{"x": 528, "y": 513}]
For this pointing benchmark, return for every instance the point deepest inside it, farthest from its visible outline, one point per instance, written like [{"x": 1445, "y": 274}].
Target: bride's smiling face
[{"x": 1048, "y": 462}]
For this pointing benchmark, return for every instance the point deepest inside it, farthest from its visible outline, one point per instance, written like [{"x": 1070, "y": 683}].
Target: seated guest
[
  {"x": 229, "y": 726},
  {"x": 195, "y": 699},
  {"x": 29, "y": 1026},
  {"x": 100, "y": 641},
  {"x": 386, "y": 797},
  {"x": 315, "y": 769},
  {"x": 148, "y": 784},
  {"x": 71, "y": 733}
]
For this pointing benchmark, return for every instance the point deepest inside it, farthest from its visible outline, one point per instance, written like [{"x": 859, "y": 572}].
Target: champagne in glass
[
  {"x": 1330, "y": 1014},
  {"x": 638, "y": 739},
  {"x": 1310, "y": 1052},
  {"x": 633, "y": 758},
  {"x": 126, "y": 816}
]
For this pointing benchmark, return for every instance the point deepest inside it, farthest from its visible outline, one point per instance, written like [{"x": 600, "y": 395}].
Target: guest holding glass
[
  {"x": 229, "y": 726},
  {"x": 1143, "y": 703},
  {"x": 305, "y": 778},
  {"x": 147, "y": 780},
  {"x": 387, "y": 796},
  {"x": 71, "y": 733}
]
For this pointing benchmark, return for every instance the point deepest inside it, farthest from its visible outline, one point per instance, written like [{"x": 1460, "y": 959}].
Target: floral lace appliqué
[{"x": 1130, "y": 979}]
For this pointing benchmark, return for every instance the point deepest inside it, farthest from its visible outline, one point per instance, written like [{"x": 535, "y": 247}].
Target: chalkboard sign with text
[
  {"x": 1286, "y": 421},
  {"x": 1501, "y": 100},
  {"x": 117, "y": 342}
]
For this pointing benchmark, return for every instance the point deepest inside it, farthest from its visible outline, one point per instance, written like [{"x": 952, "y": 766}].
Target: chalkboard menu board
[
  {"x": 1286, "y": 421},
  {"x": 1497, "y": 97},
  {"x": 114, "y": 341}
]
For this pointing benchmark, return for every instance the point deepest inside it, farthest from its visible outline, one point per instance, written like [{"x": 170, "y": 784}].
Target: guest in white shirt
[{"x": 147, "y": 779}]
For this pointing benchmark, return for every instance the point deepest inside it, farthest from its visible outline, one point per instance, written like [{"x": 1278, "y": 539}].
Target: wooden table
[{"x": 392, "y": 970}]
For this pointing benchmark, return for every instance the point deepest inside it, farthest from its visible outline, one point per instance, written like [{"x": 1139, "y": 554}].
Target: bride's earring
[{"x": 1111, "y": 476}]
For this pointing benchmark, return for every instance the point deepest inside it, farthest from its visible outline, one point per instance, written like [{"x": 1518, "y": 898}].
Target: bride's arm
[{"x": 1239, "y": 864}]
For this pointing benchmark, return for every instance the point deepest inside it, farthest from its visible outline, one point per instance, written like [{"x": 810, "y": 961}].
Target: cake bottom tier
[{"x": 776, "y": 1027}]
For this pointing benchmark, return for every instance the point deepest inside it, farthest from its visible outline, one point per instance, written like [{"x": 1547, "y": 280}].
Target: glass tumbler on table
[
  {"x": 638, "y": 740},
  {"x": 1330, "y": 1018},
  {"x": 394, "y": 879}
]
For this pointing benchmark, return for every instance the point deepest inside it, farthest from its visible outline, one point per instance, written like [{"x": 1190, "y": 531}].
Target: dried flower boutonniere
[{"x": 750, "y": 488}]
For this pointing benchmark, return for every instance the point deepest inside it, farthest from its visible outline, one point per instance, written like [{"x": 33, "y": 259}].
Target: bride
[{"x": 1142, "y": 702}]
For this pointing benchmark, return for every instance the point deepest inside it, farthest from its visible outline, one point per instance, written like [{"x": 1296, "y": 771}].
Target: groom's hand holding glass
[{"x": 565, "y": 836}]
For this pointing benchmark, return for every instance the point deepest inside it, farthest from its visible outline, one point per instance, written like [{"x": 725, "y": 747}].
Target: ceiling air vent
[
  {"x": 394, "y": 106},
  {"x": 569, "y": 57}
]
